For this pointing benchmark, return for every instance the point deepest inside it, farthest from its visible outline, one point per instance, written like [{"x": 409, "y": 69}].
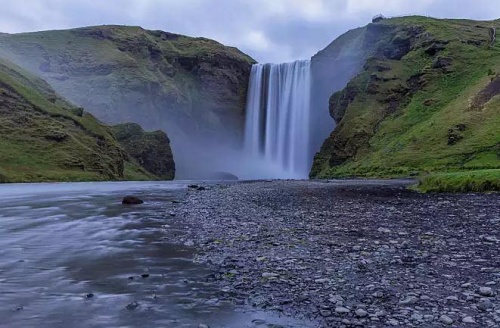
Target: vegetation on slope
[
  {"x": 189, "y": 87},
  {"x": 44, "y": 138},
  {"x": 151, "y": 150},
  {"x": 426, "y": 101},
  {"x": 465, "y": 181}
]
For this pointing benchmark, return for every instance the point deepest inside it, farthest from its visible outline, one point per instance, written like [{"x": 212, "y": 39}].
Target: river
[{"x": 73, "y": 256}]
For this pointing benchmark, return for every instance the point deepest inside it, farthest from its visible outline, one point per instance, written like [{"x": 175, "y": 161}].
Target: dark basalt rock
[
  {"x": 485, "y": 95},
  {"x": 132, "y": 200},
  {"x": 442, "y": 63},
  {"x": 454, "y": 134},
  {"x": 378, "y": 18},
  {"x": 150, "y": 149},
  {"x": 435, "y": 48}
]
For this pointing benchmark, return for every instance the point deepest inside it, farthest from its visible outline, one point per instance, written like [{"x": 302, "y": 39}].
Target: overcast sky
[{"x": 267, "y": 30}]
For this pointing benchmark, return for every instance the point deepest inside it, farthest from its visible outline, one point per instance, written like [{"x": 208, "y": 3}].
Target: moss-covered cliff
[
  {"x": 192, "y": 88},
  {"x": 151, "y": 150},
  {"x": 45, "y": 138},
  {"x": 425, "y": 100}
]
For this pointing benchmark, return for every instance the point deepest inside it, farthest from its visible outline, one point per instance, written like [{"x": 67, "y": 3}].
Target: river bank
[{"x": 351, "y": 253}]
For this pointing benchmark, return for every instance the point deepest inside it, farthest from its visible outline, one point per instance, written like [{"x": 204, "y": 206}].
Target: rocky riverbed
[{"x": 350, "y": 253}]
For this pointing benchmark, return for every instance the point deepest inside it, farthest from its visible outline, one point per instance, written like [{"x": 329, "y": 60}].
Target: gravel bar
[{"x": 351, "y": 253}]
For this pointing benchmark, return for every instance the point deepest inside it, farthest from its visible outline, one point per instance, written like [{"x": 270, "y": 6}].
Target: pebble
[
  {"x": 409, "y": 300},
  {"x": 325, "y": 313},
  {"x": 486, "y": 291},
  {"x": 468, "y": 320},
  {"x": 297, "y": 249},
  {"x": 341, "y": 310},
  {"x": 416, "y": 317},
  {"x": 484, "y": 304},
  {"x": 446, "y": 319},
  {"x": 322, "y": 280},
  {"x": 269, "y": 275},
  {"x": 361, "y": 313}
]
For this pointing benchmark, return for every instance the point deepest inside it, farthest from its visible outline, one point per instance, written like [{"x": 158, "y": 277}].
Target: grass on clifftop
[{"x": 468, "y": 181}]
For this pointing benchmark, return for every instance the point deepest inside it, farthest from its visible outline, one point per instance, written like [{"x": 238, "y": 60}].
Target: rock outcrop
[{"x": 151, "y": 150}]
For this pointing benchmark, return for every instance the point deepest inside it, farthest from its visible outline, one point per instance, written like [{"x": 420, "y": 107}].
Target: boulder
[{"x": 131, "y": 200}]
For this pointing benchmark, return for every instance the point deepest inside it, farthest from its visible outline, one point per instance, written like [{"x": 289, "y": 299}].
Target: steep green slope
[
  {"x": 426, "y": 100},
  {"x": 193, "y": 88},
  {"x": 45, "y": 138},
  {"x": 151, "y": 150}
]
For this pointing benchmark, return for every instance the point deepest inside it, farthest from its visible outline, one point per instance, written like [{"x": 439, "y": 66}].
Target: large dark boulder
[{"x": 132, "y": 200}]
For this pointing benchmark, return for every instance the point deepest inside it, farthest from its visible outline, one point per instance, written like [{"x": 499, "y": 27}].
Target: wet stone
[
  {"x": 132, "y": 306},
  {"x": 341, "y": 310},
  {"x": 486, "y": 291},
  {"x": 446, "y": 320},
  {"x": 132, "y": 200},
  {"x": 361, "y": 313}
]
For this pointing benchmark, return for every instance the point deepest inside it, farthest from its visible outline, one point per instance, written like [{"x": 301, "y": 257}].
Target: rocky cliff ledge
[{"x": 151, "y": 150}]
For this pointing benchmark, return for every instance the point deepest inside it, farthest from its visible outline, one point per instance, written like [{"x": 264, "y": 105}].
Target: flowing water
[
  {"x": 277, "y": 135},
  {"x": 61, "y": 242}
]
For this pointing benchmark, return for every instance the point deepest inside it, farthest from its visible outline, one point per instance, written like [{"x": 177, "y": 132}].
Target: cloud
[{"x": 269, "y": 31}]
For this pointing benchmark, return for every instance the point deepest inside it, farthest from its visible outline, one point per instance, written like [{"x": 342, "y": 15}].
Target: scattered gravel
[{"x": 351, "y": 254}]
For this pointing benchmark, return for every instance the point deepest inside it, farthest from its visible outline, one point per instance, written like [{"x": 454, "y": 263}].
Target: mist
[{"x": 206, "y": 133}]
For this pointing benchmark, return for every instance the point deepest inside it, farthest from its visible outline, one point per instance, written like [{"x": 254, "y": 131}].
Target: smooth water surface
[{"x": 61, "y": 242}]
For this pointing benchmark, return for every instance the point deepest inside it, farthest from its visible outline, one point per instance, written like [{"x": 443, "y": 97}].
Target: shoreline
[{"x": 351, "y": 253}]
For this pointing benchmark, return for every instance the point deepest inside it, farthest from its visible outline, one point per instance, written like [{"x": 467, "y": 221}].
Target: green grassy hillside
[
  {"x": 45, "y": 138},
  {"x": 427, "y": 100},
  {"x": 192, "y": 88}
]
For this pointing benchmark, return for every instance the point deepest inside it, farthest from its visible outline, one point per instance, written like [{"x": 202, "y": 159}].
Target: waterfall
[{"x": 277, "y": 134}]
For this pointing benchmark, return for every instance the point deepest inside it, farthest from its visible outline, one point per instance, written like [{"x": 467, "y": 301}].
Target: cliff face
[
  {"x": 45, "y": 138},
  {"x": 151, "y": 150},
  {"x": 425, "y": 99},
  {"x": 331, "y": 69},
  {"x": 193, "y": 88}
]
